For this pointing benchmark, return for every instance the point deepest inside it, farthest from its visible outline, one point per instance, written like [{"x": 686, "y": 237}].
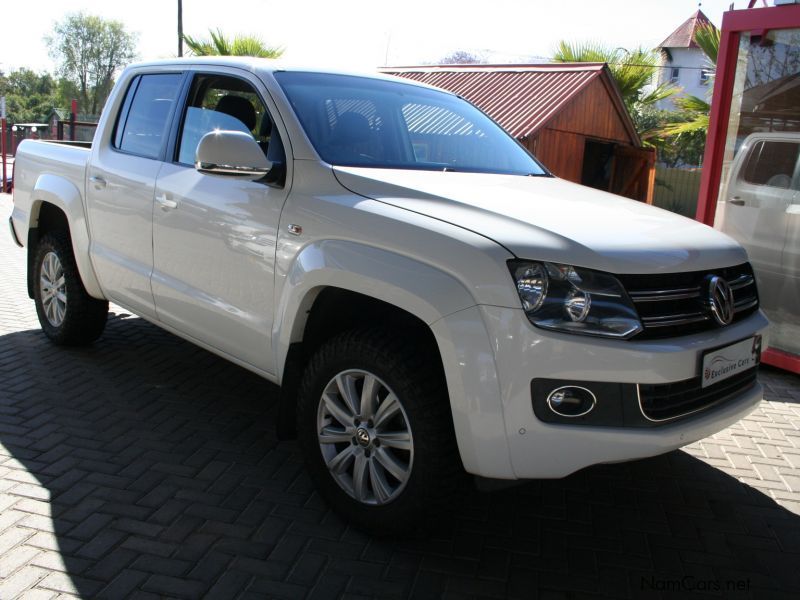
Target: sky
[{"x": 359, "y": 34}]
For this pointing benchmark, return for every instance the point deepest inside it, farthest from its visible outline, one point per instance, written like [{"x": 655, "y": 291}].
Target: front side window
[
  {"x": 218, "y": 102},
  {"x": 142, "y": 128},
  {"x": 772, "y": 164},
  {"x": 364, "y": 122}
]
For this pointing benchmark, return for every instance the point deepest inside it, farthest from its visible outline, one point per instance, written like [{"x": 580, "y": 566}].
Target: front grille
[
  {"x": 677, "y": 304},
  {"x": 671, "y": 400}
]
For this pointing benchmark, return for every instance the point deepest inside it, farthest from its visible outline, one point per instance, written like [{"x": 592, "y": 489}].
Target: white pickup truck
[{"x": 429, "y": 297}]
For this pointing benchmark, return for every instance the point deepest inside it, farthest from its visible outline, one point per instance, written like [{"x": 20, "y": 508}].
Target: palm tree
[
  {"x": 240, "y": 45},
  {"x": 696, "y": 110},
  {"x": 633, "y": 70}
]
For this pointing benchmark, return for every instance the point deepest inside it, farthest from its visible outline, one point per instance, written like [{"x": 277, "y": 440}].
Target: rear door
[
  {"x": 121, "y": 181},
  {"x": 214, "y": 237}
]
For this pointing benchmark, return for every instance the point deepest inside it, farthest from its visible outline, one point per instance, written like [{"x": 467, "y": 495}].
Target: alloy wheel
[
  {"x": 365, "y": 437},
  {"x": 53, "y": 288}
]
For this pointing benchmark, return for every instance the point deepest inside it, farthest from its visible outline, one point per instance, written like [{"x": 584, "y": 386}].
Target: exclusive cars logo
[
  {"x": 719, "y": 366},
  {"x": 733, "y": 359}
]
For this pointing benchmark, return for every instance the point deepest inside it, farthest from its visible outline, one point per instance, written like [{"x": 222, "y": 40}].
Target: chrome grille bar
[
  {"x": 664, "y": 295},
  {"x": 745, "y": 304},
  {"x": 741, "y": 281},
  {"x": 673, "y": 320}
]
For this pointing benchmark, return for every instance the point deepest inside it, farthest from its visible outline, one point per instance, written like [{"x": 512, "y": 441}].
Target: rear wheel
[
  {"x": 375, "y": 427},
  {"x": 67, "y": 313}
]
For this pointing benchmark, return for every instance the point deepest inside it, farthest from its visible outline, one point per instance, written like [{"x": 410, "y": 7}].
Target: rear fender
[{"x": 63, "y": 194}]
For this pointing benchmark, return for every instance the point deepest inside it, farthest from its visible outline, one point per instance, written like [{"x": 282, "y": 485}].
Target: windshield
[{"x": 363, "y": 122}]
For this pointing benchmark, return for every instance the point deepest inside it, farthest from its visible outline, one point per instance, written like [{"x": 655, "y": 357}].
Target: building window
[
  {"x": 705, "y": 75},
  {"x": 674, "y": 75}
]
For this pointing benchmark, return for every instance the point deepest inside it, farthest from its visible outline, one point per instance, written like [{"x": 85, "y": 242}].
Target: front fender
[
  {"x": 63, "y": 194},
  {"x": 422, "y": 290},
  {"x": 435, "y": 297}
]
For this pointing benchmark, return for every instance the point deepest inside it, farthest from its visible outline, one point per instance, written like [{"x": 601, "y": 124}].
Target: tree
[
  {"x": 89, "y": 51},
  {"x": 633, "y": 70},
  {"x": 462, "y": 57},
  {"x": 29, "y": 95},
  {"x": 239, "y": 45}
]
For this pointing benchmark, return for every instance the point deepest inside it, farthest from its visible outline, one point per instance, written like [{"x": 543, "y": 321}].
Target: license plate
[{"x": 722, "y": 363}]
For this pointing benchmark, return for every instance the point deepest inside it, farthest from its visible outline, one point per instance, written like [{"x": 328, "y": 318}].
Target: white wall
[{"x": 689, "y": 61}]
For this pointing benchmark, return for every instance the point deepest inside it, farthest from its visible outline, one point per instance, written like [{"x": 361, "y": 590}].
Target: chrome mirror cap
[{"x": 231, "y": 154}]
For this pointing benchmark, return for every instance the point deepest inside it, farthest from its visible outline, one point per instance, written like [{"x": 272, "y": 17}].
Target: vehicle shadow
[{"x": 146, "y": 466}]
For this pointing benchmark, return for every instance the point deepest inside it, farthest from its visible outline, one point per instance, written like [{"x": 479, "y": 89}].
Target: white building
[{"x": 683, "y": 62}]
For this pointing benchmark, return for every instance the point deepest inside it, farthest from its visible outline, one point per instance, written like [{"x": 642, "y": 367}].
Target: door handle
[
  {"x": 98, "y": 182},
  {"x": 166, "y": 202},
  {"x": 736, "y": 200}
]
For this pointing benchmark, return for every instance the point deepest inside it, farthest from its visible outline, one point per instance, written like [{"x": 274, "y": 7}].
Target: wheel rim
[
  {"x": 53, "y": 288},
  {"x": 365, "y": 437}
]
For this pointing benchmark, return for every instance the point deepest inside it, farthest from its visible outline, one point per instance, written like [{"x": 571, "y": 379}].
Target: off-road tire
[
  {"x": 415, "y": 376},
  {"x": 84, "y": 317}
]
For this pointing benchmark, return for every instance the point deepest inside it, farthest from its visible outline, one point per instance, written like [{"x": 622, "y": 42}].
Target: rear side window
[
  {"x": 142, "y": 128},
  {"x": 772, "y": 164}
]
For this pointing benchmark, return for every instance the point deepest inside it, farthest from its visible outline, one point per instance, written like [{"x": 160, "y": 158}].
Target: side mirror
[{"x": 231, "y": 154}]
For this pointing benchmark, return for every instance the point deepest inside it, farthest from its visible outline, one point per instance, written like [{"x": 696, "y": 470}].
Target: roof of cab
[{"x": 269, "y": 65}]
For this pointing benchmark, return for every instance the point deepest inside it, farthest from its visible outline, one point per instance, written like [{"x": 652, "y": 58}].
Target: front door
[
  {"x": 214, "y": 237},
  {"x": 758, "y": 195}
]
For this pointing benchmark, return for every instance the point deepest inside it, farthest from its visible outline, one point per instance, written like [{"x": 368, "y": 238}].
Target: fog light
[{"x": 571, "y": 401}]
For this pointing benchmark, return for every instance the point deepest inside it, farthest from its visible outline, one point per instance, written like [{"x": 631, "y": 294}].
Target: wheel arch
[
  {"x": 421, "y": 290},
  {"x": 415, "y": 297},
  {"x": 56, "y": 203},
  {"x": 336, "y": 285}
]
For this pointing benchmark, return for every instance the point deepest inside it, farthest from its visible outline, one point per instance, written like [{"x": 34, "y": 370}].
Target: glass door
[{"x": 759, "y": 189}]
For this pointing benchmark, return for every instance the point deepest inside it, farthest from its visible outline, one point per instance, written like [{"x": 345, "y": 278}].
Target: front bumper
[
  {"x": 535, "y": 449},
  {"x": 542, "y": 450}
]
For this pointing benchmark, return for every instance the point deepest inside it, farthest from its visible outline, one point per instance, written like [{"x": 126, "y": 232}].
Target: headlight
[{"x": 575, "y": 300}]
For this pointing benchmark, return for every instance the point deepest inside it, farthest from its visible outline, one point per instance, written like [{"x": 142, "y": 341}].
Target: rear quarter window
[{"x": 144, "y": 119}]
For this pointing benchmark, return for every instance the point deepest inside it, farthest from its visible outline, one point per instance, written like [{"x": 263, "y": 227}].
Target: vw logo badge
[
  {"x": 362, "y": 436},
  {"x": 720, "y": 298}
]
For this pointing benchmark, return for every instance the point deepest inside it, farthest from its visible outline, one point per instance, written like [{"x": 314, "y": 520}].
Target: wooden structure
[{"x": 571, "y": 116}]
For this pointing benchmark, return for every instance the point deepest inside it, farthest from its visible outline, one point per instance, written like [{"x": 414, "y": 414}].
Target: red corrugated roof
[
  {"x": 683, "y": 36},
  {"x": 521, "y": 98}
]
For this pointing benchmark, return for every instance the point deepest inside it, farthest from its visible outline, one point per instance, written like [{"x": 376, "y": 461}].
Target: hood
[{"x": 549, "y": 219}]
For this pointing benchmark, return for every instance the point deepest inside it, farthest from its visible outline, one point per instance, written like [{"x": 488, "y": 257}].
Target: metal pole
[
  {"x": 3, "y": 149},
  {"x": 72, "y": 118},
  {"x": 3, "y": 139},
  {"x": 180, "y": 28}
]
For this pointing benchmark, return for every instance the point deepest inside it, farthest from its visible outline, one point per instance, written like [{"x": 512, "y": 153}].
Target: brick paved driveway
[{"x": 144, "y": 467}]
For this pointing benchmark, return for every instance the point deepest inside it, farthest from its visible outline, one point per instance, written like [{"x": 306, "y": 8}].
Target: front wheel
[
  {"x": 67, "y": 313},
  {"x": 375, "y": 426}
]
